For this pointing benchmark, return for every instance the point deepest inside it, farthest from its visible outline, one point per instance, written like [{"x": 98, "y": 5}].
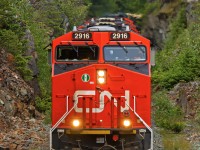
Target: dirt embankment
[{"x": 21, "y": 125}]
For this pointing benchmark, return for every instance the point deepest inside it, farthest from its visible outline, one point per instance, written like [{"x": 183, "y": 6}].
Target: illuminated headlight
[
  {"x": 127, "y": 123},
  {"x": 101, "y": 76},
  {"x": 101, "y": 80},
  {"x": 76, "y": 123},
  {"x": 101, "y": 73}
]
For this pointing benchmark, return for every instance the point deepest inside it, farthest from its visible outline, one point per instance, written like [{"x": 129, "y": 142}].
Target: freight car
[{"x": 101, "y": 87}]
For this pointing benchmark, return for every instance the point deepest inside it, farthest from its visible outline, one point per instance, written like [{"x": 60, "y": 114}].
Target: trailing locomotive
[{"x": 101, "y": 96}]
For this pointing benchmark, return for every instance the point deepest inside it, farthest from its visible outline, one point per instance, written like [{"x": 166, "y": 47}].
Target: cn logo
[{"x": 101, "y": 101}]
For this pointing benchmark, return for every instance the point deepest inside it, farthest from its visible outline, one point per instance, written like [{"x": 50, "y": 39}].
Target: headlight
[
  {"x": 101, "y": 76},
  {"x": 76, "y": 123},
  {"x": 101, "y": 73},
  {"x": 126, "y": 123},
  {"x": 101, "y": 80}
]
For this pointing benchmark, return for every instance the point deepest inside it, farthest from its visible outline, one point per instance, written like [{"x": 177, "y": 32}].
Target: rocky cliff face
[
  {"x": 187, "y": 97},
  {"x": 32, "y": 64},
  {"x": 156, "y": 24},
  {"x": 21, "y": 125},
  {"x": 156, "y": 27},
  {"x": 184, "y": 95}
]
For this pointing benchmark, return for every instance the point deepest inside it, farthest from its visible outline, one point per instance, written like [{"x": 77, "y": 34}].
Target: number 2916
[
  {"x": 81, "y": 36},
  {"x": 117, "y": 36}
]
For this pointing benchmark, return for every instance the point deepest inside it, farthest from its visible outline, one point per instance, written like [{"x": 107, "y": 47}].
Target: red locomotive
[{"x": 101, "y": 96}]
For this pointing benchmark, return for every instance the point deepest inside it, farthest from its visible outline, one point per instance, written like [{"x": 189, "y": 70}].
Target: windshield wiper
[
  {"x": 143, "y": 51},
  {"x": 93, "y": 50},
  {"x": 124, "y": 48},
  {"x": 76, "y": 50}
]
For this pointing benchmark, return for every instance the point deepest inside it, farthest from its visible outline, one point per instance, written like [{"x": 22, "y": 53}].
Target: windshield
[
  {"x": 125, "y": 53},
  {"x": 77, "y": 53}
]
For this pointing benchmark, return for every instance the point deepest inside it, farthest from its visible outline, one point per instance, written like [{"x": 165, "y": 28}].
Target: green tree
[
  {"x": 56, "y": 13},
  {"x": 74, "y": 10},
  {"x": 44, "y": 18},
  {"x": 102, "y": 7},
  {"x": 131, "y": 6},
  {"x": 11, "y": 26},
  {"x": 180, "y": 58}
]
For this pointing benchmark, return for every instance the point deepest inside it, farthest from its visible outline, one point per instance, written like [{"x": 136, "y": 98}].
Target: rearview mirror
[
  {"x": 153, "y": 55},
  {"x": 49, "y": 57}
]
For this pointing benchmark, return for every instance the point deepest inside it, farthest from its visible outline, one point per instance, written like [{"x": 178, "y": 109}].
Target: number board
[
  {"x": 115, "y": 36},
  {"x": 83, "y": 36}
]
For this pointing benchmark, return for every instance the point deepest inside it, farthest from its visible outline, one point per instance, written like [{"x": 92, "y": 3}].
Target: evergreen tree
[
  {"x": 131, "y": 6},
  {"x": 102, "y": 7}
]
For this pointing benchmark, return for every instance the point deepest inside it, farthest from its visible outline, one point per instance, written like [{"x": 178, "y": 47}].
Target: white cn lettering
[{"x": 80, "y": 93}]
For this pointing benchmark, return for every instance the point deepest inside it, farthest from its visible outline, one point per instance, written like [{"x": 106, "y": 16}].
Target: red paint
[{"x": 118, "y": 80}]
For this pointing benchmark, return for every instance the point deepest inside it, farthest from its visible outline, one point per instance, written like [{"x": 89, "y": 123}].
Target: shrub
[
  {"x": 177, "y": 126},
  {"x": 43, "y": 104},
  {"x": 10, "y": 41},
  {"x": 180, "y": 58},
  {"x": 47, "y": 119},
  {"x": 167, "y": 115},
  {"x": 22, "y": 67}
]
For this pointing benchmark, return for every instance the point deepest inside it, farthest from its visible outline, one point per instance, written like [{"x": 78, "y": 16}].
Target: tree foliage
[
  {"x": 180, "y": 58},
  {"x": 133, "y": 6},
  {"x": 56, "y": 14},
  {"x": 77, "y": 12},
  {"x": 45, "y": 19},
  {"x": 166, "y": 114},
  {"x": 11, "y": 28},
  {"x": 102, "y": 7},
  {"x": 10, "y": 41}
]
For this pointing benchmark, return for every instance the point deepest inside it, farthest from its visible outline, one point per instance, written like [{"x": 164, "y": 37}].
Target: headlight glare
[
  {"x": 76, "y": 123},
  {"x": 101, "y": 76},
  {"x": 101, "y": 80},
  {"x": 126, "y": 123},
  {"x": 101, "y": 73}
]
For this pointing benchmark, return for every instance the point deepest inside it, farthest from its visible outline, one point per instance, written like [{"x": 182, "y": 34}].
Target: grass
[
  {"x": 172, "y": 141},
  {"x": 166, "y": 114},
  {"x": 170, "y": 119}
]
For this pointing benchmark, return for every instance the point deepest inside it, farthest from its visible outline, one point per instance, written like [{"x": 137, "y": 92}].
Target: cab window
[
  {"x": 77, "y": 53},
  {"x": 125, "y": 53}
]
